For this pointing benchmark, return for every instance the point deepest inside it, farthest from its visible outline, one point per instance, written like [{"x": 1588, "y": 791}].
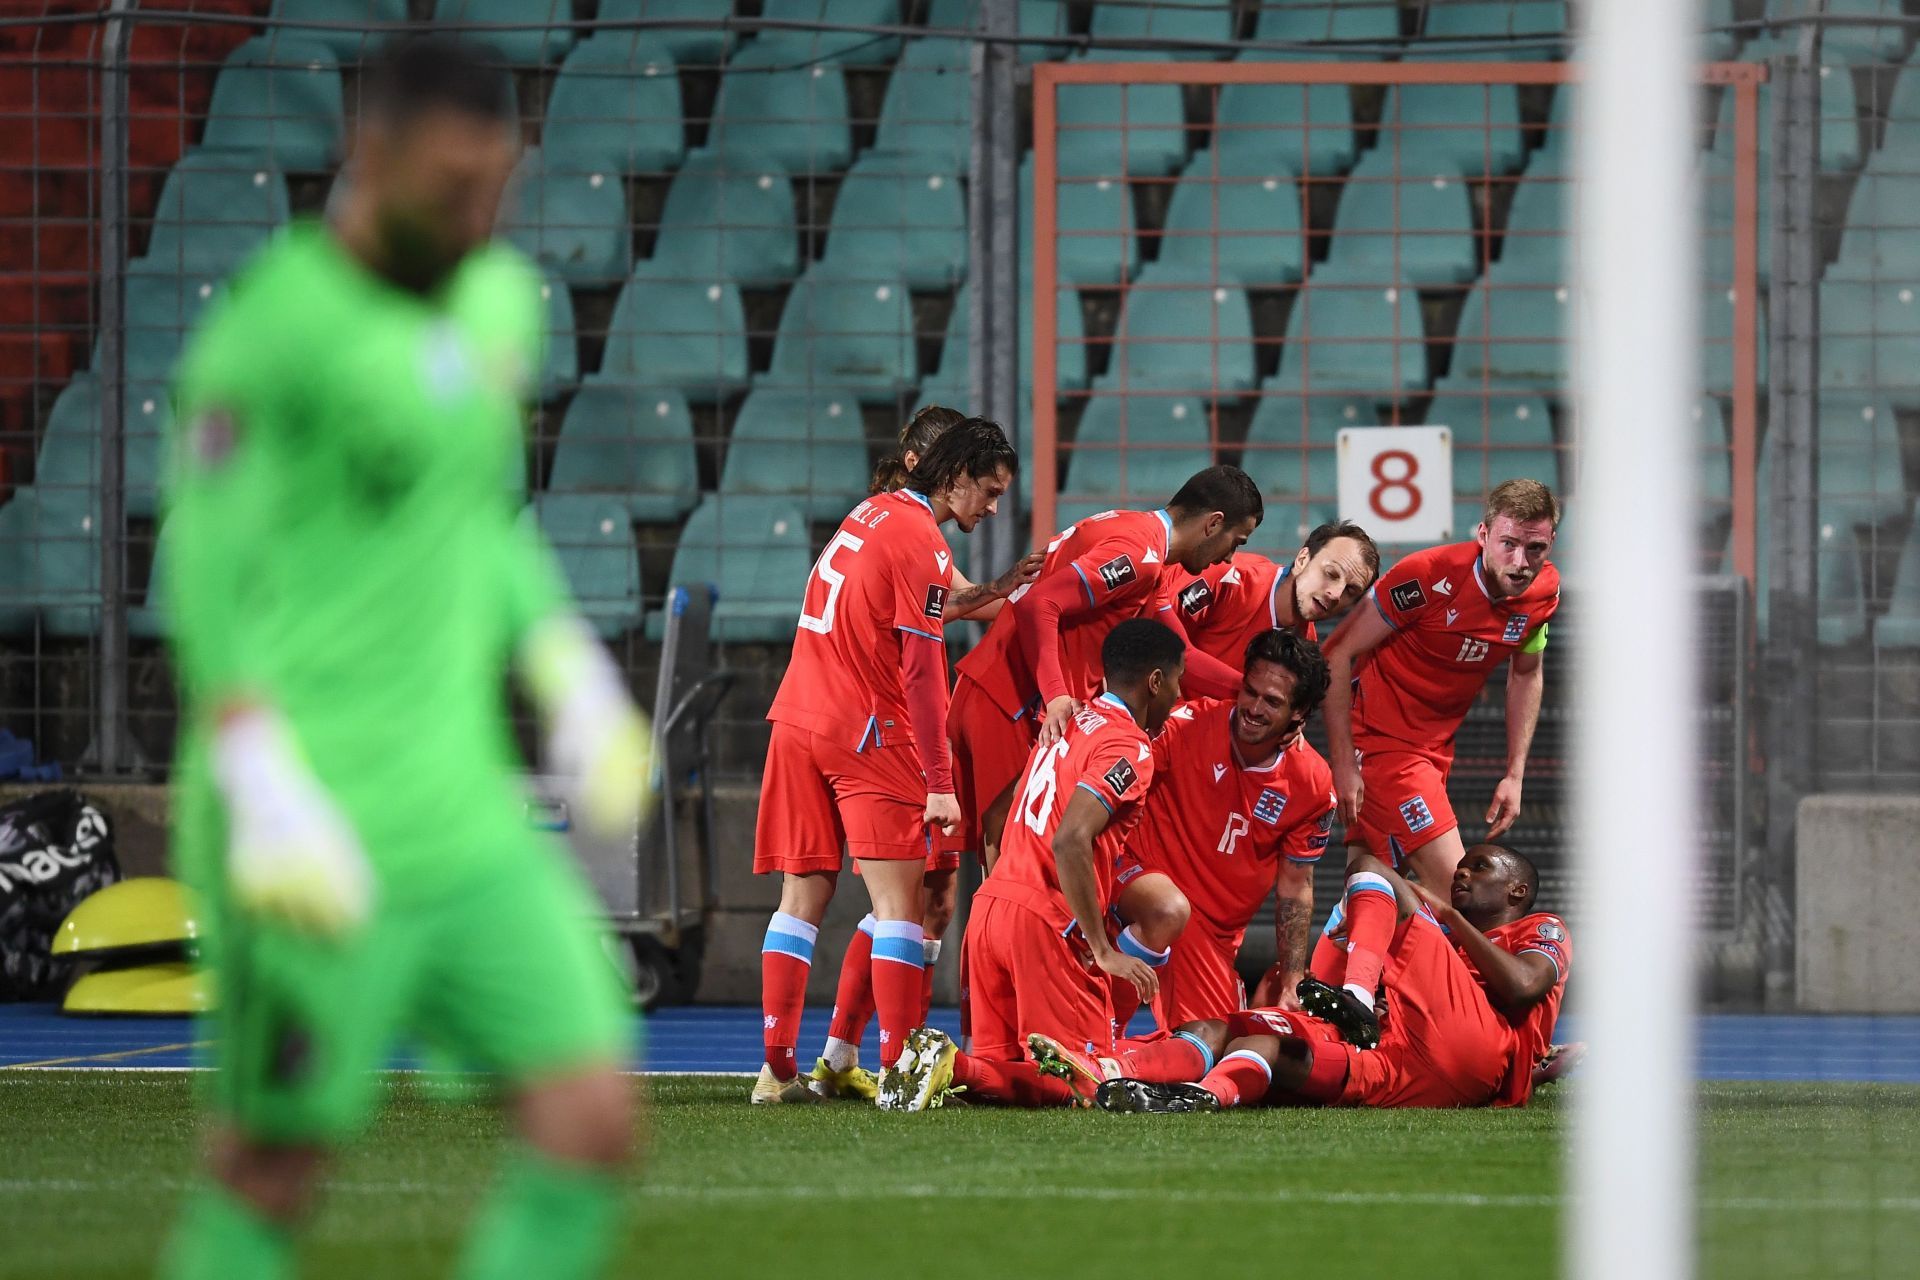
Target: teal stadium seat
[
  {"x": 790, "y": 110},
  {"x": 1491, "y": 413},
  {"x": 1514, "y": 331},
  {"x": 1495, "y": 20},
  {"x": 1716, "y": 458},
  {"x": 1184, "y": 328},
  {"x": 1094, "y": 242},
  {"x": 703, "y": 47},
  {"x": 1037, "y": 19},
  {"x": 1717, "y": 333},
  {"x": 631, "y": 443},
  {"x": 1716, "y": 179},
  {"x": 1900, "y": 627},
  {"x": 1314, "y": 21},
  {"x": 1299, "y": 470},
  {"x": 1538, "y": 223},
  {"x": 1166, "y": 20},
  {"x": 846, "y": 329},
  {"x": 805, "y": 443},
  {"x": 19, "y": 556},
  {"x": 1477, "y": 470},
  {"x": 1353, "y": 331},
  {"x": 162, "y": 304},
  {"x": 1405, "y": 222},
  {"x": 683, "y": 331},
  {"x": 1900, "y": 148},
  {"x": 570, "y": 217},
  {"x": 69, "y": 456},
  {"x": 1860, "y": 470},
  {"x": 849, "y": 46},
  {"x": 147, "y": 620},
  {"x": 1239, "y": 212},
  {"x": 526, "y": 47},
  {"x": 1869, "y": 332},
  {"x": 1469, "y": 128},
  {"x": 1114, "y": 130},
  {"x": 928, "y": 110},
  {"x": 590, "y": 535},
  {"x": 279, "y": 96},
  {"x": 1070, "y": 347},
  {"x": 215, "y": 209},
  {"x": 730, "y": 217},
  {"x": 754, "y": 551},
  {"x": 1133, "y": 451},
  {"x": 1719, "y": 44},
  {"x": 560, "y": 362},
  {"x": 615, "y": 106},
  {"x": 1840, "y": 598},
  {"x": 67, "y": 561},
  {"x": 353, "y": 33},
  {"x": 896, "y": 217},
  {"x": 1881, "y": 241},
  {"x": 1857, "y": 44},
  {"x": 1839, "y": 108},
  {"x": 1302, "y": 128}
]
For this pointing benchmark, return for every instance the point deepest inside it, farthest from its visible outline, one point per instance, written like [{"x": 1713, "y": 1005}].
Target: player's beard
[{"x": 416, "y": 258}]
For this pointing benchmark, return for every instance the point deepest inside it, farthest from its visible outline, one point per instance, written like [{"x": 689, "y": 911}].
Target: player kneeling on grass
[
  {"x": 348, "y": 583},
  {"x": 1038, "y": 956},
  {"x": 1473, "y": 986}
]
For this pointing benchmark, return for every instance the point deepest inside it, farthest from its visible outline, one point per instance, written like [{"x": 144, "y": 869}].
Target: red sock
[
  {"x": 1372, "y": 914},
  {"x": 1163, "y": 1059},
  {"x": 786, "y": 958},
  {"x": 899, "y": 965},
  {"x": 853, "y": 998},
  {"x": 1239, "y": 1077},
  {"x": 1019, "y": 1083},
  {"x": 1328, "y": 962}
]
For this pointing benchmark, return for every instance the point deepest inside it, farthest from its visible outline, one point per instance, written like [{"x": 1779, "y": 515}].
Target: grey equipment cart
[{"x": 657, "y": 883}]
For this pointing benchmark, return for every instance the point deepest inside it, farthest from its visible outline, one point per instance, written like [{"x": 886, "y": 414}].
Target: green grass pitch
[{"x": 1798, "y": 1180}]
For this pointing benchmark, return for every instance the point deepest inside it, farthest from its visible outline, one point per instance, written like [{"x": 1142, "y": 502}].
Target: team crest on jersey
[
  {"x": 1121, "y": 777},
  {"x": 1269, "y": 806},
  {"x": 1552, "y": 931},
  {"x": 1516, "y": 629},
  {"x": 1117, "y": 572},
  {"x": 1407, "y": 596},
  {"x": 1194, "y": 598},
  {"x": 1416, "y": 815},
  {"x": 214, "y": 433},
  {"x": 936, "y": 606}
]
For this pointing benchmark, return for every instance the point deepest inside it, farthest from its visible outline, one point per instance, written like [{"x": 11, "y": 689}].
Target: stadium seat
[
  {"x": 147, "y": 620},
  {"x": 349, "y": 38},
  {"x": 1881, "y": 240},
  {"x": 630, "y": 443},
  {"x": 1111, "y": 130},
  {"x": 754, "y": 551},
  {"x": 730, "y": 218},
  {"x": 1093, "y": 218},
  {"x": 1840, "y": 600},
  {"x": 1538, "y": 222},
  {"x": 569, "y": 217},
  {"x": 1492, "y": 413},
  {"x": 162, "y": 303},
  {"x": 843, "y": 328},
  {"x": 1037, "y": 20},
  {"x": 679, "y": 331},
  {"x": 896, "y": 217},
  {"x": 849, "y": 46},
  {"x": 615, "y": 106},
  {"x": 1184, "y": 328},
  {"x": 279, "y": 97},
  {"x": 1717, "y": 330},
  {"x": 1133, "y": 451},
  {"x": 1239, "y": 212},
  {"x": 1716, "y": 180},
  {"x": 1466, "y": 128},
  {"x": 215, "y": 209},
  {"x": 70, "y": 449},
  {"x": 1516, "y": 332},
  {"x": 1353, "y": 331},
  {"x": 703, "y": 46},
  {"x": 1298, "y": 472},
  {"x": 1327, "y": 20},
  {"x": 1869, "y": 331},
  {"x": 928, "y": 110},
  {"x": 806, "y": 444},
  {"x": 525, "y": 47},
  {"x": 791, "y": 112},
  {"x": 1289, "y": 419},
  {"x": 67, "y": 561},
  {"x": 1491, "y": 20},
  {"x": 1070, "y": 347},
  {"x": 1303, "y": 128},
  {"x": 560, "y": 363},
  {"x": 1716, "y": 459},
  {"x": 19, "y": 558},
  {"x": 1859, "y": 462},
  {"x": 1476, "y": 470},
  {"x": 1291, "y": 453},
  {"x": 1719, "y": 43},
  {"x": 1864, "y": 43},
  {"x": 1166, "y": 20},
  {"x": 1900, "y": 628},
  {"x": 1839, "y": 122},
  {"x": 1412, "y": 224},
  {"x": 590, "y": 534}
]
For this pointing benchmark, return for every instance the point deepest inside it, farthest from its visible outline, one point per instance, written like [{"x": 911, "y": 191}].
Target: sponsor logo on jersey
[
  {"x": 1269, "y": 806},
  {"x": 1472, "y": 650},
  {"x": 1219, "y": 772},
  {"x": 1194, "y": 598},
  {"x": 1516, "y": 629},
  {"x": 940, "y": 559},
  {"x": 1444, "y": 587},
  {"x": 1230, "y": 577},
  {"x": 1117, "y": 572},
  {"x": 1451, "y": 615},
  {"x": 1150, "y": 556},
  {"x": 1416, "y": 815},
  {"x": 1407, "y": 596},
  {"x": 1552, "y": 931},
  {"x": 936, "y": 605},
  {"x": 1182, "y": 712},
  {"x": 1120, "y": 777},
  {"x": 1145, "y": 751}
]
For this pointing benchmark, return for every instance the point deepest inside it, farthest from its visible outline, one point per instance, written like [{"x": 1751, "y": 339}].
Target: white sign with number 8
[{"x": 1397, "y": 482}]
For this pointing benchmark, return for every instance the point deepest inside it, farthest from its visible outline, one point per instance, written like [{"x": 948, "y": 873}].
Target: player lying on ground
[
  {"x": 858, "y": 754},
  {"x": 1040, "y": 660},
  {"x": 1406, "y": 671},
  {"x": 1037, "y": 956},
  {"x": 838, "y": 1071},
  {"x": 1473, "y": 986},
  {"x": 348, "y": 585},
  {"x": 1223, "y": 607}
]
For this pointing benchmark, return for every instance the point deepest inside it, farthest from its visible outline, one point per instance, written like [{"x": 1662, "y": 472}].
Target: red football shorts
[
  {"x": 1404, "y": 806},
  {"x": 990, "y": 753},
  {"x": 1022, "y": 976},
  {"x": 1198, "y": 981},
  {"x": 819, "y": 795}
]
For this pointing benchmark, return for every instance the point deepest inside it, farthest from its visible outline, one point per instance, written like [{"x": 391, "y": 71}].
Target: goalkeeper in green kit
[{"x": 347, "y": 586}]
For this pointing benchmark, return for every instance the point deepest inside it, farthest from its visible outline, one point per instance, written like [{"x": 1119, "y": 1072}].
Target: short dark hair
[
  {"x": 926, "y": 426},
  {"x": 1228, "y": 490},
  {"x": 1137, "y": 648},
  {"x": 413, "y": 75},
  {"x": 1295, "y": 653},
  {"x": 1523, "y": 869},
  {"x": 1323, "y": 534},
  {"x": 971, "y": 447}
]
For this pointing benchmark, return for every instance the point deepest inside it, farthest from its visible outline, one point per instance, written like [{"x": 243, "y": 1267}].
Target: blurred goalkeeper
[{"x": 349, "y": 585}]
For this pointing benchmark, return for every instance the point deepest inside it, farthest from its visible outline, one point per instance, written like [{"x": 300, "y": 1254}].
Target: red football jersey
[
  {"x": 1119, "y": 558},
  {"x": 1539, "y": 934},
  {"x": 1104, "y": 751},
  {"x": 1226, "y": 605},
  {"x": 1413, "y": 690},
  {"x": 1219, "y": 828},
  {"x": 885, "y": 571}
]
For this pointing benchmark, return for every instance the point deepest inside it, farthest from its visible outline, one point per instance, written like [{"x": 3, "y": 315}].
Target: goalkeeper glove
[{"x": 596, "y": 737}]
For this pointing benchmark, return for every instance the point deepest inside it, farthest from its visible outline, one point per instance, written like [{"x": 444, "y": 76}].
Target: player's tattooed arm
[
  {"x": 1292, "y": 932},
  {"x": 981, "y": 600}
]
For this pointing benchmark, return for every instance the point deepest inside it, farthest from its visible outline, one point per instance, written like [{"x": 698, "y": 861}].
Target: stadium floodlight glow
[{"x": 1635, "y": 369}]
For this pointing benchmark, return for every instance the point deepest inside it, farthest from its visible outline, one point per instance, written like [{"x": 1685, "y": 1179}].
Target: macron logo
[
  {"x": 1444, "y": 587},
  {"x": 940, "y": 558},
  {"x": 1151, "y": 557},
  {"x": 1219, "y": 772},
  {"x": 1231, "y": 575}
]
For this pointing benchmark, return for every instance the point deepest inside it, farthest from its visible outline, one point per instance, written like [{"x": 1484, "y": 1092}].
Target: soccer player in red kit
[
  {"x": 857, "y": 759},
  {"x": 1406, "y": 671},
  {"x": 1038, "y": 957},
  {"x": 1224, "y": 606},
  {"x": 1474, "y": 985},
  {"x": 1040, "y": 660}
]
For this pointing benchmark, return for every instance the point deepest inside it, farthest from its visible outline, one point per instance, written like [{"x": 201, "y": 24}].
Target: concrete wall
[{"x": 1858, "y": 886}]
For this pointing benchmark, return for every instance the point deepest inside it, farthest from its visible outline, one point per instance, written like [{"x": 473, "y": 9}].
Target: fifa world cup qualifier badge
[
  {"x": 936, "y": 605},
  {"x": 1194, "y": 598},
  {"x": 1407, "y": 596},
  {"x": 1120, "y": 777},
  {"x": 1117, "y": 572}
]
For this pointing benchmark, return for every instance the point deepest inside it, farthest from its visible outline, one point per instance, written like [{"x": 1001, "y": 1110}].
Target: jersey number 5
[
  {"x": 835, "y": 579},
  {"x": 1037, "y": 804}
]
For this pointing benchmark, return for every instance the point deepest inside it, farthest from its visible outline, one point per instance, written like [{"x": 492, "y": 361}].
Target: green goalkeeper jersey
[{"x": 343, "y": 539}]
